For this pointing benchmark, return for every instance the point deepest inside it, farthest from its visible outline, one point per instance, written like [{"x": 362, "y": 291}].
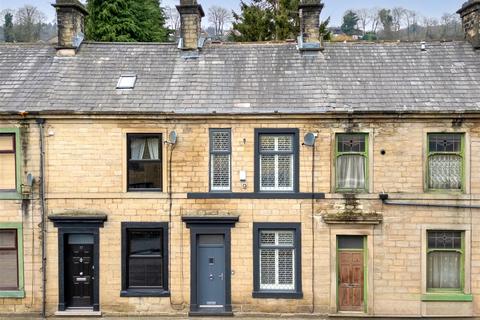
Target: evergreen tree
[
  {"x": 269, "y": 20},
  {"x": 350, "y": 20},
  {"x": 126, "y": 21},
  {"x": 8, "y": 28}
]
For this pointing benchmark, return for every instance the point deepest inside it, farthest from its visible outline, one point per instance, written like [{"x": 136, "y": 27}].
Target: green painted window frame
[
  {"x": 17, "y": 194},
  {"x": 365, "y": 269},
  {"x": 364, "y": 154},
  {"x": 449, "y": 294},
  {"x": 20, "y": 292},
  {"x": 461, "y": 153}
]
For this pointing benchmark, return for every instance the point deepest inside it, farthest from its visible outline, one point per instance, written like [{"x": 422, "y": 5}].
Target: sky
[{"x": 333, "y": 8}]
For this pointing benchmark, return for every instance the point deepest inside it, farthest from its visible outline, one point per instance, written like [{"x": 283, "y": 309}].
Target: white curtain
[
  {"x": 445, "y": 172},
  {"x": 153, "y": 148},
  {"x": 137, "y": 148},
  {"x": 444, "y": 270},
  {"x": 351, "y": 172}
]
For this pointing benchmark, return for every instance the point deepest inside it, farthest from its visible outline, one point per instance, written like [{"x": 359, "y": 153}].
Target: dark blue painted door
[{"x": 211, "y": 271}]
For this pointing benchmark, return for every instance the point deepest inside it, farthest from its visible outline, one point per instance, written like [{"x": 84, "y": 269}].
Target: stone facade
[
  {"x": 470, "y": 14},
  {"x": 86, "y": 171}
]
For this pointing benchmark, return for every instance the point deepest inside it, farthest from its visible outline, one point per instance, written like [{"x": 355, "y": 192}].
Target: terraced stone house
[{"x": 247, "y": 178}]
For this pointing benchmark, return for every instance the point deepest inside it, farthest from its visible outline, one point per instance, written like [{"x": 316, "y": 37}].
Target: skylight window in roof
[{"x": 126, "y": 82}]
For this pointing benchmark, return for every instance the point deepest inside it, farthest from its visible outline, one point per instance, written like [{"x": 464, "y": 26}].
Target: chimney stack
[
  {"x": 310, "y": 38},
  {"x": 191, "y": 14},
  {"x": 71, "y": 25},
  {"x": 470, "y": 13}
]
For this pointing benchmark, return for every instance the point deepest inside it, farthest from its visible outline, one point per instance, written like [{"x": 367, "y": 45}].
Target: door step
[{"x": 78, "y": 312}]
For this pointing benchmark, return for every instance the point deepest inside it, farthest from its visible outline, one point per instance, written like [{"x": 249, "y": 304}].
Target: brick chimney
[
  {"x": 310, "y": 38},
  {"x": 71, "y": 25},
  {"x": 470, "y": 13},
  {"x": 191, "y": 14}
]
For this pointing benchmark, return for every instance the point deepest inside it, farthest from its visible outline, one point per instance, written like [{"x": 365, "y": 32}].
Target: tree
[
  {"x": 29, "y": 22},
  {"x": 173, "y": 20},
  {"x": 219, "y": 16},
  {"x": 8, "y": 28},
  {"x": 386, "y": 19},
  {"x": 350, "y": 21},
  {"x": 268, "y": 20},
  {"x": 126, "y": 21},
  {"x": 364, "y": 18}
]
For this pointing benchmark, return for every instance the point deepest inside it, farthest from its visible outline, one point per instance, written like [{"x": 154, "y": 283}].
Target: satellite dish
[
  {"x": 309, "y": 139},
  {"x": 30, "y": 179},
  {"x": 172, "y": 137}
]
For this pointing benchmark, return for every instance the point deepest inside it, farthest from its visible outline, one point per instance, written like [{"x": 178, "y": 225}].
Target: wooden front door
[
  {"x": 79, "y": 275},
  {"x": 351, "y": 274}
]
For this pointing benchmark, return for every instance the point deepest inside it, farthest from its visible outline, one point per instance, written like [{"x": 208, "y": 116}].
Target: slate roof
[{"x": 242, "y": 78}]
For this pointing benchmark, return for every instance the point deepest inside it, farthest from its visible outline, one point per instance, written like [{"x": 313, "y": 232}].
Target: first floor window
[
  {"x": 7, "y": 162},
  {"x": 277, "y": 160},
  {"x": 351, "y": 162},
  {"x": 220, "y": 159},
  {"x": 445, "y": 161},
  {"x": 144, "y": 162},
  {"x": 144, "y": 257},
  {"x": 277, "y": 258},
  {"x": 445, "y": 260},
  {"x": 9, "y": 259}
]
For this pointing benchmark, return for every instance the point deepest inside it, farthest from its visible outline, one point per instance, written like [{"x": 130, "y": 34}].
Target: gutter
[
  {"x": 41, "y": 123},
  {"x": 384, "y": 198}
]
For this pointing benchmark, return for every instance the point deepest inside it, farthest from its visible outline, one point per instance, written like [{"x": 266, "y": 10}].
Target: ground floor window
[
  {"x": 445, "y": 261},
  {"x": 144, "y": 259},
  {"x": 11, "y": 260},
  {"x": 277, "y": 259}
]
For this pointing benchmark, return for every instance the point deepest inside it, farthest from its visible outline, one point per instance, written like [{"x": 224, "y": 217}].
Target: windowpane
[
  {"x": 220, "y": 171},
  {"x": 145, "y": 272},
  {"x": 267, "y": 268},
  {"x": 285, "y": 143},
  {"x": 285, "y": 171},
  {"x": 9, "y": 267},
  {"x": 6, "y": 142},
  {"x": 285, "y": 238},
  {"x": 267, "y": 143},
  {"x": 445, "y": 171},
  {"x": 145, "y": 148},
  {"x": 444, "y": 240},
  {"x": 144, "y": 175},
  {"x": 444, "y": 270},
  {"x": 8, "y": 239},
  {"x": 351, "y": 143},
  {"x": 145, "y": 242},
  {"x": 7, "y": 171},
  {"x": 445, "y": 142},
  {"x": 267, "y": 238},
  {"x": 220, "y": 141},
  {"x": 351, "y": 171},
  {"x": 285, "y": 268},
  {"x": 267, "y": 171},
  {"x": 350, "y": 242}
]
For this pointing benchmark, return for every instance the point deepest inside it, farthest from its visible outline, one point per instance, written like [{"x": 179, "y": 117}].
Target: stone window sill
[
  {"x": 461, "y": 297},
  {"x": 13, "y": 195},
  {"x": 277, "y": 295},
  {"x": 144, "y": 293},
  {"x": 12, "y": 294}
]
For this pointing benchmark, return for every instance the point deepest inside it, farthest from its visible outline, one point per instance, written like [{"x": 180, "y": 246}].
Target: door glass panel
[
  {"x": 350, "y": 242},
  {"x": 210, "y": 239},
  {"x": 80, "y": 239}
]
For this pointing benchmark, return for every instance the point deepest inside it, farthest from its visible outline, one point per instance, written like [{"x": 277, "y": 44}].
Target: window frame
[
  {"x": 462, "y": 264},
  {"x": 296, "y": 165},
  {"x": 365, "y": 154},
  {"x": 211, "y": 153},
  {"x": 18, "y": 292},
  {"x": 144, "y": 292},
  {"x": 14, "y": 194},
  {"x": 461, "y": 153},
  {"x": 277, "y": 294},
  {"x": 160, "y": 160}
]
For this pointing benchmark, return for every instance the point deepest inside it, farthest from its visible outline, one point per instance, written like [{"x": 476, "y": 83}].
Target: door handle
[
  {"x": 221, "y": 276},
  {"x": 210, "y": 276}
]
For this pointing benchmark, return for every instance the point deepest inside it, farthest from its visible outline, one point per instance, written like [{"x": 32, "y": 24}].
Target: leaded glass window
[
  {"x": 445, "y": 161},
  {"x": 220, "y": 159},
  {"x": 276, "y": 152},
  {"x": 277, "y": 259},
  {"x": 351, "y": 162},
  {"x": 445, "y": 260}
]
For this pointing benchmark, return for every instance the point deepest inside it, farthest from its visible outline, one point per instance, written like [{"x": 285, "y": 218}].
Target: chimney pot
[
  {"x": 310, "y": 11},
  {"x": 470, "y": 14},
  {"x": 71, "y": 25},
  {"x": 191, "y": 14}
]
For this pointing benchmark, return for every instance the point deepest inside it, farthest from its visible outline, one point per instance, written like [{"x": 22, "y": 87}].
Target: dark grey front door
[{"x": 211, "y": 270}]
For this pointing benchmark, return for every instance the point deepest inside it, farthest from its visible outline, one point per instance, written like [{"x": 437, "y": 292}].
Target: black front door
[{"x": 79, "y": 276}]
